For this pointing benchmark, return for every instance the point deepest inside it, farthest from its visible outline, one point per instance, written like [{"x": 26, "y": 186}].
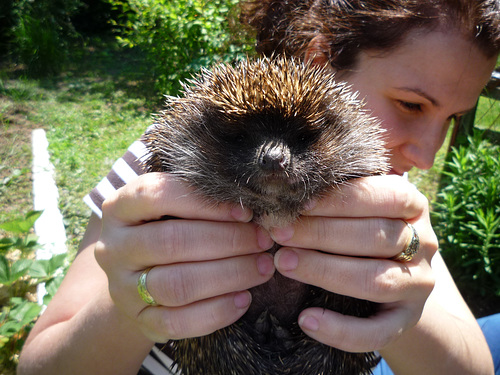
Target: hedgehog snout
[{"x": 274, "y": 157}]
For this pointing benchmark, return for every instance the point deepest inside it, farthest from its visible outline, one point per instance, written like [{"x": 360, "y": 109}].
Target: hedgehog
[{"x": 271, "y": 135}]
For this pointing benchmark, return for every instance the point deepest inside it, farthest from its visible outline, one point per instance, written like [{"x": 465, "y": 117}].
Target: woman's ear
[{"x": 317, "y": 51}]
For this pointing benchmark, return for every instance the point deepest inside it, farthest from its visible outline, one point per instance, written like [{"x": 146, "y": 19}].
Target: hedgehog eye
[{"x": 233, "y": 139}]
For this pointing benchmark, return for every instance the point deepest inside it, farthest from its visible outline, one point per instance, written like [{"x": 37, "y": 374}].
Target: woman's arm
[
  {"x": 82, "y": 332},
  {"x": 446, "y": 340}
]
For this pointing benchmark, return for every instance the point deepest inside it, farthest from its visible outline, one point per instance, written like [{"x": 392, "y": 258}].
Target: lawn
[{"x": 91, "y": 113}]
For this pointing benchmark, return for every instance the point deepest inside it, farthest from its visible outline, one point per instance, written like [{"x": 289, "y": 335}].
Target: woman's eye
[{"x": 409, "y": 107}]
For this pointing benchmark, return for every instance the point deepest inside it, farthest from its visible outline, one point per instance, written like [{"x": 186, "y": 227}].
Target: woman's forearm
[
  {"x": 82, "y": 332},
  {"x": 447, "y": 339},
  {"x": 97, "y": 340}
]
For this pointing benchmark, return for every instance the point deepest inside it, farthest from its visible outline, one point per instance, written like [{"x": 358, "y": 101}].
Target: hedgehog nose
[{"x": 274, "y": 158}]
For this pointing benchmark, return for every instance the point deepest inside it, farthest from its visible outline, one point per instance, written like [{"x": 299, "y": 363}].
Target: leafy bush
[
  {"x": 20, "y": 274},
  {"x": 42, "y": 34},
  {"x": 180, "y": 37},
  {"x": 467, "y": 218}
]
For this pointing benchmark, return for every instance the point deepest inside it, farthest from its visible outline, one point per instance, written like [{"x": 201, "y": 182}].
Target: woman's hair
[{"x": 347, "y": 27}]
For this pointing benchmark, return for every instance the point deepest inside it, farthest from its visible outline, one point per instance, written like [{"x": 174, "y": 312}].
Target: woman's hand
[
  {"x": 358, "y": 229},
  {"x": 203, "y": 263}
]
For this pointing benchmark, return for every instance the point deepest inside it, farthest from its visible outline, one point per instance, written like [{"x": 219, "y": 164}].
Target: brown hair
[{"x": 349, "y": 26}]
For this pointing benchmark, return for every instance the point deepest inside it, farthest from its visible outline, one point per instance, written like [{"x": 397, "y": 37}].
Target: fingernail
[
  {"x": 286, "y": 260},
  {"x": 242, "y": 299},
  {"x": 241, "y": 213},
  {"x": 265, "y": 264},
  {"x": 308, "y": 323},
  {"x": 281, "y": 235},
  {"x": 264, "y": 239}
]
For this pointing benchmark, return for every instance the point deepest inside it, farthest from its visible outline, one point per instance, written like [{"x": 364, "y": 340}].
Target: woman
[{"x": 418, "y": 64}]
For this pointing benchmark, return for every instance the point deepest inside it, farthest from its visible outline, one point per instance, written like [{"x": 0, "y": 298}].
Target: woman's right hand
[{"x": 203, "y": 263}]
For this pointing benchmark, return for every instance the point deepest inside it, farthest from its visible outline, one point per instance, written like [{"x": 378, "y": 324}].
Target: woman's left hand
[{"x": 357, "y": 230}]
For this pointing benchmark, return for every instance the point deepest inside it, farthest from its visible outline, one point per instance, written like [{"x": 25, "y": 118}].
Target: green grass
[
  {"x": 488, "y": 114},
  {"x": 91, "y": 115}
]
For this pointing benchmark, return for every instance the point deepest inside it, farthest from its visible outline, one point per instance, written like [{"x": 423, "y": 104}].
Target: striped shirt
[{"x": 124, "y": 170}]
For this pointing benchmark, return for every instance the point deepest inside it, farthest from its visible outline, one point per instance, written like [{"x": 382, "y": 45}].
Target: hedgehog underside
[{"x": 260, "y": 344}]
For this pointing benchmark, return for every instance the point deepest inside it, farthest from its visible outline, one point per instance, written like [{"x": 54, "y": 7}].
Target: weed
[
  {"x": 180, "y": 38},
  {"x": 20, "y": 274},
  {"x": 466, "y": 218}
]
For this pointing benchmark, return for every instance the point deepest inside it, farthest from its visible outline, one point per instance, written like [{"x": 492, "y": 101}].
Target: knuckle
[
  {"x": 104, "y": 256},
  {"x": 430, "y": 243},
  {"x": 172, "y": 324},
  {"x": 177, "y": 286},
  {"x": 386, "y": 234},
  {"x": 115, "y": 291},
  {"x": 174, "y": 238},
  {"x": 323, "y": 230},
  {"x": 236, "y": 237},
  {"x": 110, "y": 203},
  {"x": 100, "y": 253},
  {"x": 384, "y": 337},
  {"x": 402, "y": 200},
  {"x": 407, "y": 199},
  {"x": 383, "y": 282},
  {"x": 427, "y": 284},
  {"x": 150, "y": 184}
]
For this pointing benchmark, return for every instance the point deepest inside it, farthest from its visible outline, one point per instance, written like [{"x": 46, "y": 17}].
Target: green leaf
[
  {"x": 46, "y": 268},
  {"x": 24, "y": 311},
  {"x": 10, "y": 273},
  {"x": 4, "y": 270},
  {"x": 6, "y": 244},
  {"x": 20, "y": 268},
  {"x": 21, "y": 226}
]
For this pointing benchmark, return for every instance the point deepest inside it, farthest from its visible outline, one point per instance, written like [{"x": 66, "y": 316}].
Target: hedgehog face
[
  {"x": 267, "y": 155},
  {"x": 267, "y": 162}
]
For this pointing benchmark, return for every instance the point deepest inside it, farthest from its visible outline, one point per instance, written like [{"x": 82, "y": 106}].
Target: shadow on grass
[{"x": 100, "y": 68}]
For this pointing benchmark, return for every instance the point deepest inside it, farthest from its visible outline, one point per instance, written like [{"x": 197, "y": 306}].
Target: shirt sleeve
[{"x": 124, "y": 170}]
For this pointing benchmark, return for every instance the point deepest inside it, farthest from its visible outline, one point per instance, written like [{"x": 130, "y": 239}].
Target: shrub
[
  {"x": 467, "y": 218},
  {"x": 42, "y": 34},
  {"x": 20, "y": 274},
  {"x": 180, "y": 37}
]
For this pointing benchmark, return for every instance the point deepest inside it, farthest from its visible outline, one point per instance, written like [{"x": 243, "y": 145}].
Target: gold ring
[
  {"x": 411, "y": 247},
  {"x": 143, "y": 289}
]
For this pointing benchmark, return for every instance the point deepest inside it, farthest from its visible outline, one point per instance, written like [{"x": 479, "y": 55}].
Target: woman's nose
[{"x": 425, "y": 143}]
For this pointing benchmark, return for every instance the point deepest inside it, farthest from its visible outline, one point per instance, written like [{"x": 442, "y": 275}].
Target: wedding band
[
  {"x": 411, "y": 247},
  {"x": 143, "y": 289}
]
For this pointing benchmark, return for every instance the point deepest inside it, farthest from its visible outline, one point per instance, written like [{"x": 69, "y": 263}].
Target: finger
[
  {"x": 154, "y": 195},
  {"x": 378, "y": 196},
  {"x": 161, "y": 324},
  {"x": 355, "y": 334},
  {"x": 376, "y": 280},
  {"x": 370, "y": 237},
  {"x": 172, "y": 241},
  {"x": 184, "y": 283}
]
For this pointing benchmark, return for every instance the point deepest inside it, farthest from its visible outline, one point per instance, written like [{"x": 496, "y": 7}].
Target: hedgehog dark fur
[{"x": 270, "y": 135}]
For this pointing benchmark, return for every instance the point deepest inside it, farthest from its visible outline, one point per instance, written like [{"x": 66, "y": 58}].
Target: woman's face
[{"x": 417, "y": 89}]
